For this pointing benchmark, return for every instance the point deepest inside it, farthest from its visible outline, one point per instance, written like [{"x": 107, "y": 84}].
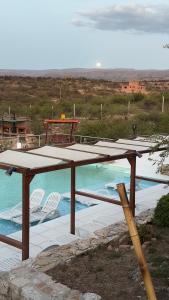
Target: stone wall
[
  {"x": 29, "y": 282},
  {"x": 25, "y": 283},
  {"x": 60, "y": 254}
]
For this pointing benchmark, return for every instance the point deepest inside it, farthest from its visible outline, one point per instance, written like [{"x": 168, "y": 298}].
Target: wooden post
[
  {"x": 72, "y": 215},
  {"x": 74, "y": 110},
  {"x": 26, "y": 179},
  {"x": 52, "y": 111},
  {"x": 2, "y": 126},
  {"x": 46, "y": 133},
  {"x": 71, "y": 133},
  {"x": 136, "y": 242},
  {"x": 132, "y": 162}
]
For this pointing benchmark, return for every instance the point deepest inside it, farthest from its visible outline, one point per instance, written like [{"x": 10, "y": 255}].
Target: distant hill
[{"x": 106, "y": 74}]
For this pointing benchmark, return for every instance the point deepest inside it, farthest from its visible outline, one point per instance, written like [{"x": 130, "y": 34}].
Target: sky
[{"x": 57, "y": 34}]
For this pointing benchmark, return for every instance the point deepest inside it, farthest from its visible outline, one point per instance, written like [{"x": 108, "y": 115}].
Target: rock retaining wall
[
  {"x": 25, "y": 283},
  {"x": 29, "y": 282}
]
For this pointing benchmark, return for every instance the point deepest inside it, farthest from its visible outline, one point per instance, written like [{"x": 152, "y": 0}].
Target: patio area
[{"x": 57, "y": 231}]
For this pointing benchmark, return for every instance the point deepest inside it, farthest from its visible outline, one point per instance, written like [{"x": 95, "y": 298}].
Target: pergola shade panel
[
  {"x": 26, "y": 160},
  {"x": 136, "y": 143},
  {"x": 64, "y": 153},
  {"x": 97, "y": 149},
  {"x": 78, "y": 153},
  {"x": 121, "y": 146}
]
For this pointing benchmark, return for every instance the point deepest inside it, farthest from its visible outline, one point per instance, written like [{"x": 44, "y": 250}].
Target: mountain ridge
[{"x": 116, "y": 74}]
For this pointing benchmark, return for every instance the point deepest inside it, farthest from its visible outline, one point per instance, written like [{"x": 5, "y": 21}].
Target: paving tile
[
  {"x": 2, "y": 245},
  {"x": 48, "y": 243},
  {"x": 105, "y": 220},
  {"x": 37, "y": 239},
  {"x": 82, "y": 232},
  {"x": 16, "y": 235},
  {"x": 91, "y": 227},
  {"x": 34, "y": 250},
  {"x": 8, "y": 251},
  {"x": 57, "y": 226},
  {"x": 66, "y": 238},
  {"x": 6, "y": 264},
  {"x": 52, "y": 233}
]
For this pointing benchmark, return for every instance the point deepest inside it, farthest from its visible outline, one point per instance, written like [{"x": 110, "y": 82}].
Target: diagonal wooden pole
[{"x": 136, "y": 242}]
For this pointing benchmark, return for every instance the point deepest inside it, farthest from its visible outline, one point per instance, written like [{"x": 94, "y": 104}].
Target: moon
[{"x": 98, "y": 64}]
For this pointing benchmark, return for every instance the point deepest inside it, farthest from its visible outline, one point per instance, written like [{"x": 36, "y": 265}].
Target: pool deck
[
  {"x": 145, "y": 166},
  {"x": 87, "y": 220}
]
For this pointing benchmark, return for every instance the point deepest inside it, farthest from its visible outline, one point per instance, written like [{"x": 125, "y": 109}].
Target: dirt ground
[{"x": 112, "y": 270}]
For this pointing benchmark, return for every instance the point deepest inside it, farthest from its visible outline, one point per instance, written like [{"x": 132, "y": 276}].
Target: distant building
[
  {"x": 133, "y": 87},
  {"x": 12, "y": 126}
]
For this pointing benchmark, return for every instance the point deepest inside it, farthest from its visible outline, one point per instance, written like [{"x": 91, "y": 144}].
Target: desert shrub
[
  {"x": 112, "y": 129},
  {"x": 148, "y": 104},
  {"x": 145, "y": 232},
  {"x": 138, "y": 97},
  {"x": 120, "y": 99},
  {"x": 161, "y": 213}
]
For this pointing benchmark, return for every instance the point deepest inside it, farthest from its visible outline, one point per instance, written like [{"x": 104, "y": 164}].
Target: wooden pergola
[{"x": 50, "y": 158}]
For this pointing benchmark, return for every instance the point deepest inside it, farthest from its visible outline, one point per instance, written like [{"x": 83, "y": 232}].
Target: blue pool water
[{"x": 92, "y": 177}]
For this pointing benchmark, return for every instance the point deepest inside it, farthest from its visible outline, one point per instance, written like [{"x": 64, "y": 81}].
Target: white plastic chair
[
  {"x": 16, "y": 211},
  {"x": 48, "y": 211}
]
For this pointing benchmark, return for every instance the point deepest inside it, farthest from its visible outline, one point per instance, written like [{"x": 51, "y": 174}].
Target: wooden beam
[
  {"x": 98, "y": 197},
  {"x": 50, "y": 168},
  {"x": 73, "y": 201},
  {"x": 132, "y": 161},
  {"x": 153, "y": 179},
  {"x": 26, "y": 179},
  {"x": 46, "y": 132},
  {"x": 19, "y": 169},
  {"x": 7, "y": 240},
  {"x": 71, "y": 132},
  {"x": 78, "y": 163}
]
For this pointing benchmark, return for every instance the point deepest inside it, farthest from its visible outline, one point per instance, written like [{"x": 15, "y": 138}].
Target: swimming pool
[{"x": 91, "y": 177}]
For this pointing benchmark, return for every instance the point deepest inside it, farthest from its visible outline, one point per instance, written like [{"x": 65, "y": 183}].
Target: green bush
[
  {"x": 161, "y": 213},
  {"x": 138, "y": 97},
  {"x": 145, "y": 232}
]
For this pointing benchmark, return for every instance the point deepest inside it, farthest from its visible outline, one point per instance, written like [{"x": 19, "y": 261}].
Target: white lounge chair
[
  {"x": 48, "y": 211},
  {"x": 16, "y": 211}
]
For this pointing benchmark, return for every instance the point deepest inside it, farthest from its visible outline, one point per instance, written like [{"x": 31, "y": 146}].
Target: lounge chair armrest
[
  {"x": 35, "y": 209},
  {"x": 47, "y": 215},
  {"x": 17, "y": 206}
]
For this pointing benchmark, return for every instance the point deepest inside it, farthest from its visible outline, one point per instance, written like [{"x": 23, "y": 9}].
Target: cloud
[{"x": 130, "y": 18}]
